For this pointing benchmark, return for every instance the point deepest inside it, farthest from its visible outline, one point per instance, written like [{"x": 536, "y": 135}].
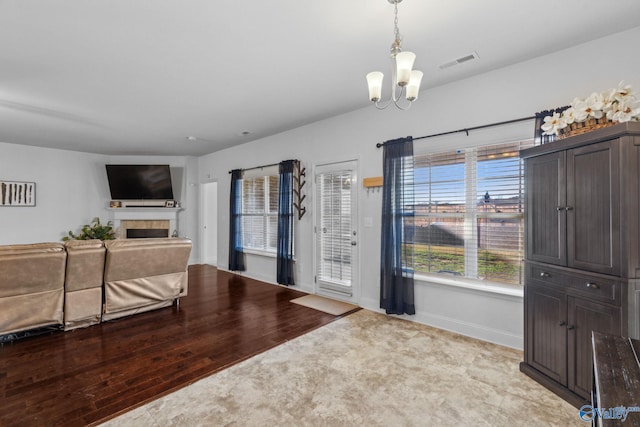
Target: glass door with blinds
[{"x": 335, "y": 229}]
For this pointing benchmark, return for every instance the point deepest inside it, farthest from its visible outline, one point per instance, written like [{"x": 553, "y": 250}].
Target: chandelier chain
[{"x": 396, "y": 31}]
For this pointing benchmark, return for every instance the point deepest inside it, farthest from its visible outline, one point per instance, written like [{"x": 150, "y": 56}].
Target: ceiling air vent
[{"x": 460, "y": 60}]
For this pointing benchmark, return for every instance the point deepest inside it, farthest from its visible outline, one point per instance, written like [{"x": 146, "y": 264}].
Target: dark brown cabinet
[
  {"x": 582, "y": 253},
  {"x": 573, "y": 200},
  {"x": 584, "y": 317}
]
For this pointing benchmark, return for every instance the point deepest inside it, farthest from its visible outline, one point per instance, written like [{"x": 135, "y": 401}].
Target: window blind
[
  {"x": 260, "y": 213},
  {"x": 334, "y": 242},
  {"x": 469, "y": 213}
]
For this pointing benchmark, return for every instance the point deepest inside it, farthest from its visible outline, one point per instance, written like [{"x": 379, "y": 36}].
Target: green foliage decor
[{"x": 95, "y": 230}]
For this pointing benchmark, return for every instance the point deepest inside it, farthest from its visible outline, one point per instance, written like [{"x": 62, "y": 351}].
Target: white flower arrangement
[{"x": 617, "y": 105}]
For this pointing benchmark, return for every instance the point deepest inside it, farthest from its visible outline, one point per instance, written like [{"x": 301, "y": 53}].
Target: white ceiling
[{"x": 139, "y": 76}]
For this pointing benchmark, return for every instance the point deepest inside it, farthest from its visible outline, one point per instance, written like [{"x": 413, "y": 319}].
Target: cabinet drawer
[
  {"x": 596, "y": 287},
  {"x": 547, "y": 275}
]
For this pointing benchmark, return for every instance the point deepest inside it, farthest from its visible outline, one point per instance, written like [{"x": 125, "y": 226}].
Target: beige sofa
[
  {"x": 144, "y": 274},
  {"x": 31, "y": 286},
  {"x": 83, "y": 283}
]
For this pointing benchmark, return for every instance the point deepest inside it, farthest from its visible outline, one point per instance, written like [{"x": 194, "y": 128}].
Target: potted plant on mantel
[
  {"x": 597, "y": 111},
  {"x": 95, "y": 230}
]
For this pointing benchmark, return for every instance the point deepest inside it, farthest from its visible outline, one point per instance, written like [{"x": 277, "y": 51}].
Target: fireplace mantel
[{"x": 145, "y": 214}]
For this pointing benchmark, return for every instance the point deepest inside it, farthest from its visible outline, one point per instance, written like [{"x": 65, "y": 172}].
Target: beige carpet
[
  {"x": 365, "y": 369},
  {"x": 325, "y": 305}
]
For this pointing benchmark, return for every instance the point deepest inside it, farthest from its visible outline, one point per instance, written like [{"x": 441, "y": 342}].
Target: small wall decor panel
[{"x": 14, "y": 193}]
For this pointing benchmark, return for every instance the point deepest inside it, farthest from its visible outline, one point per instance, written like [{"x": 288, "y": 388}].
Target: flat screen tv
[{"x": 140, "y": 182}]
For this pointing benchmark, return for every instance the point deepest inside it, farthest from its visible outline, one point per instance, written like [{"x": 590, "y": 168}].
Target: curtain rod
[
  {"x": 466, "y": 130},
  {"x": 260, "y": 167}
]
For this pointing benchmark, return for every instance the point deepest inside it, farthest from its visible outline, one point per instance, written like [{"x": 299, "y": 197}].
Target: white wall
[
  {"x": 72, "y": 189},
  {"x": 70, "y": 192},
  {"x": 509, "y": 93}
]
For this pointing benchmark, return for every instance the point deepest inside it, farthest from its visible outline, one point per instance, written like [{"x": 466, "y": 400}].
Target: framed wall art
[{"x": 15, "y": 193}]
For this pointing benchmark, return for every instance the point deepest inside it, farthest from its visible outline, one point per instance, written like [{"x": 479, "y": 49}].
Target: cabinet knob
[
  {"x": 562, "y": 323},
  {"x": 568, "y": 208},
  {"x": 592, "y": 285},
  {"x": 570, "y": 327},
  {"x": 560, "y": 208},
  {"x": 545, "y": 274}
]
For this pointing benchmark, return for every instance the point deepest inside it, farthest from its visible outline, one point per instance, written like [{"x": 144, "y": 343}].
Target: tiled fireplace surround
[{"x": 151, "y": 219}]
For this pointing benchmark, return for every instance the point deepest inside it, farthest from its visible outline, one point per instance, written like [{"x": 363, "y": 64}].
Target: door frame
[{"x": 356, "y": 284}]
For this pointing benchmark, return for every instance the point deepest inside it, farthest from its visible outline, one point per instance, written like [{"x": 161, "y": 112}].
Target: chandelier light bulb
[
  {"x": 374, "y": 79},
  {"x": 404, "y": 64},
  {"x": 413, "y": 88}
]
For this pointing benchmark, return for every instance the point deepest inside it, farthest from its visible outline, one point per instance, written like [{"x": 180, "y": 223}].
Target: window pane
[
  {"x": 500, "y": 185},
  {"x": 500, "y": 249},
  {"x": 260, "y": 213},
  {"x": 274, "y": 192},
  {"x": 439, "y": 245},
  {"x": 499, "y": 180},
  {"x": 271, "y": 234},
  {"x": 253, "y": 196},
  {"x": 253, "y": 231},
  {"x": 439, "y": 183}
]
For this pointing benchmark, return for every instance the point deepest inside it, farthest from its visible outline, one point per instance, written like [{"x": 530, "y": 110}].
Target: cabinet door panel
[
  {"x": 584, "y": 317},
  {"x": 546, "y": 310},
  {"x": 545, "y": 193},
  {"x": 593, "y": 225}
]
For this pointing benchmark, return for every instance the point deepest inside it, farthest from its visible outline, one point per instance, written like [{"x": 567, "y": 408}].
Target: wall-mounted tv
[{"x": 140, "y": 182}]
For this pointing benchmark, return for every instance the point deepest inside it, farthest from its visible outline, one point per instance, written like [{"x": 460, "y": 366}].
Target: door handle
[
  {"x": 592, "y": 285},
  {"x": 353, "y": 243},
  {"x": 570, "y": 327}
]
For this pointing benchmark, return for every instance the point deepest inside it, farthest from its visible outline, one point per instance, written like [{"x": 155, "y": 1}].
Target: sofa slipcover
[
  {"x": 31, "y": 286},
  {"x": 83, "y": 283},
  {"x": 144, "y": 274}
]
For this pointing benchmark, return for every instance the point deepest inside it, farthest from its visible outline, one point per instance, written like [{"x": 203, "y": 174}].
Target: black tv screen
[{"x": 140, "y": 182}]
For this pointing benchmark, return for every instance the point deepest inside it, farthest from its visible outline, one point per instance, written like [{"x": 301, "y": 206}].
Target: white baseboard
[{"x": 484, "y": 333}]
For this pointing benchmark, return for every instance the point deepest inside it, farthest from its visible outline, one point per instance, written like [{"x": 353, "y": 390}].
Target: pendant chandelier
[{"x": 404, "y": 80}]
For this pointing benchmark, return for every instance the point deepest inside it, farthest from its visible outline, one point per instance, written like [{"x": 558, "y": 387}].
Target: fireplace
[
  {"x": 141, "y": 228},
  {"x": 135, "y": 223},
  {"x": 145, "y": 233}
]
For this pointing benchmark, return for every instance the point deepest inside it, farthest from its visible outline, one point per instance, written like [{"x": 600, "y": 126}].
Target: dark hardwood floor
[{"x": 89, "y": 375}]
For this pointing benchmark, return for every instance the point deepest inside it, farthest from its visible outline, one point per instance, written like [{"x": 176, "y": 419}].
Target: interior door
[
  {"x": 335, "y": 229},
  {"x": 210, "y": 223}
]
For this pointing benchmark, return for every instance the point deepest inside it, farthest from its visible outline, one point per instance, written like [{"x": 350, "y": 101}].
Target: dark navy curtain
[
  {"x": 236, "y": 256},
  {"x": 396, "y": 258},
  {"x": 285, "y": 224}
]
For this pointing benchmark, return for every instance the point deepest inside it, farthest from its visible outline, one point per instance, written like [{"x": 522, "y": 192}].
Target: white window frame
[{"x": 470, "y": 218}]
